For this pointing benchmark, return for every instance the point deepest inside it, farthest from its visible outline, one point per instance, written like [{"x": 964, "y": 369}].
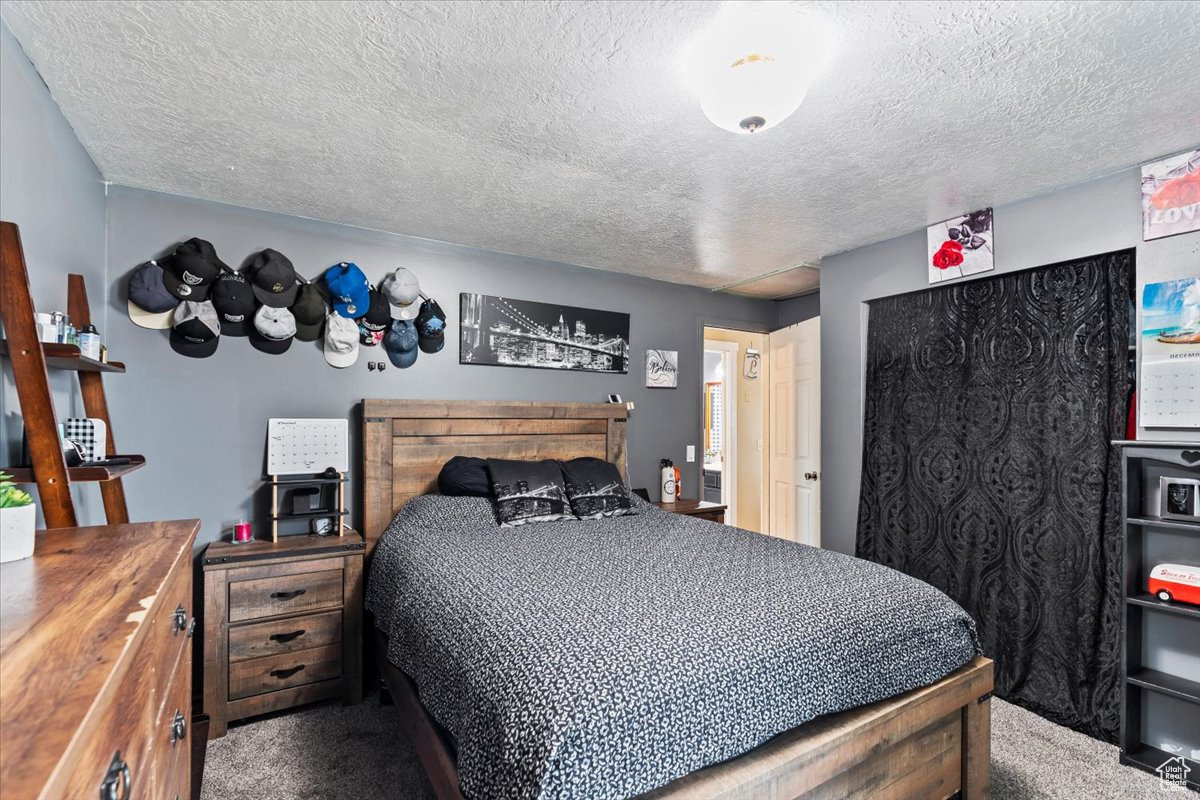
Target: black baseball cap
[
  {"x": 196, "y": 332},
  {"x": 273, "y": 279},
  {"x": 310, "y": 310},
  {"x": 190, "y": 271},
  {"x": 234, "y": 302},
  {"x": 379, "y": 312},
  {"x": 431, "y": 326}
]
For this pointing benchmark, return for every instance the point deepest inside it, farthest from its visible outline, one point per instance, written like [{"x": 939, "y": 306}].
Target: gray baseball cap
[
  {"x": 196, "y": 330},
  {"x": 274, "y": 329},
  {"x": 341, "y": 340},
  {"x": 401, "y": 289}
]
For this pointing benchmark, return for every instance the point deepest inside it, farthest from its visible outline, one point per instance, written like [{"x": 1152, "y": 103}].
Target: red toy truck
[{"x": 1177, "y": 582}]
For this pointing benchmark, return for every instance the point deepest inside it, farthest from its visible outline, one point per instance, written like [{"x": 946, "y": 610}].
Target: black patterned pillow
[
  {"x": 528, "y": 491},
  {"x": 595, "y": 489}
]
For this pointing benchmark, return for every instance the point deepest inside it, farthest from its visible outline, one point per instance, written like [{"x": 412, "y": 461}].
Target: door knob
[{"x": 810, "y": 476}]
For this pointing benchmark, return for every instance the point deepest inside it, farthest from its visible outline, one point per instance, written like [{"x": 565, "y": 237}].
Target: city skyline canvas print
[{"x": 502, "y": 331}]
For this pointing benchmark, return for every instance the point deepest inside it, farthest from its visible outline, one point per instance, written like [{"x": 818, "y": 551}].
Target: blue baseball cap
[
  {"x": 400, "y": 342},
  {"x": 349, "y": 290}
]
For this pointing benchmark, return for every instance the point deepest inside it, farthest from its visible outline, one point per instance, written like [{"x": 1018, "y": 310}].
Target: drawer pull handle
[
  {"x": 286, "y": 637},
  {"x": 191, "y": 628},
  {"x": 286, "y": 673},
  {"x": 118, "y": 782},
  {"x": 178, "y": 727},
  {"x": 179, "y": 620},
  {"x": 288, "y": 595}
]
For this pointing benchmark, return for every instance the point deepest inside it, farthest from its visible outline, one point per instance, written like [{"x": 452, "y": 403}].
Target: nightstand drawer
[
  {"x": 285, "y": 594},
  {"x": 260, "y": 675},
  {"x": 284, "y": 635}
]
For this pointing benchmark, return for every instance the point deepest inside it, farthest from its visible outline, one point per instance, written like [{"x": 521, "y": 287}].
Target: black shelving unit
[
  {"x": 1148, "y": 540},
  {"x": 331, "y": 500}
]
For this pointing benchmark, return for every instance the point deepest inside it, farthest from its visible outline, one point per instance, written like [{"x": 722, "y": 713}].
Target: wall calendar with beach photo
[
  {"x": 1169, "y": 389},
  {"x": 500, "y": 331}
]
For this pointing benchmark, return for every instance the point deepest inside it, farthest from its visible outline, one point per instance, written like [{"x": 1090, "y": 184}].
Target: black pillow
[
  {"x": 595, "y": 489},
  {"x": 528, "y": 491},
  {"x": 464, "y": 476}
]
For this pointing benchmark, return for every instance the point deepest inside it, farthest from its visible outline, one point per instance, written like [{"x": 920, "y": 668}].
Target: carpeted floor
[{"x": 360, "y": 753}]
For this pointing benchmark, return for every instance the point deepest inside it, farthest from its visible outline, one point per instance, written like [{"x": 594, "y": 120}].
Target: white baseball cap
[
  {"x": 401, "y": 289},
  {"x": 341, "y": 341},
  {"x": 274, "y": 329}
]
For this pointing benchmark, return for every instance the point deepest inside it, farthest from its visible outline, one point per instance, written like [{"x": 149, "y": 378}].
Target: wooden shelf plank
[
  {"x": 68, "y": 357},
  {"x": 1148, "y": 758},
  {"x": 1147, "y": 600},
  {"x": 1166, "y": 683},
  {"x": 1159, "y": 522},
  {"x": 83, "y": 474}
]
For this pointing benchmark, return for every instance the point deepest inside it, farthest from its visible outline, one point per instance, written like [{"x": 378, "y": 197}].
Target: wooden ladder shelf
[{"x": 30, "y": 360}]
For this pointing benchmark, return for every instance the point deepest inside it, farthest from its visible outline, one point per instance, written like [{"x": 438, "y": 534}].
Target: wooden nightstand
[
  {"x": 714, "y": 512},
  {"x": 282, "y": 624}
]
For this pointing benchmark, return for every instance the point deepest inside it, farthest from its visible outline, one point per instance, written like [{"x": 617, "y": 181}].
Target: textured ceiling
[{"x": 561, "y": 130}]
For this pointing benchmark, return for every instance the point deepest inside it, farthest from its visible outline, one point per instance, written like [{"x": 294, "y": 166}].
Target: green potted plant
[{"x": 18, "y": 515}]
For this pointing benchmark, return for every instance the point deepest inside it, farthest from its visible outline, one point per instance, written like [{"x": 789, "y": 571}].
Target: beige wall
[{"x": 751, "y": 400}]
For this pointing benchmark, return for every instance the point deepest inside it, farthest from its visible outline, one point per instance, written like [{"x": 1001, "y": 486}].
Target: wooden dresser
[
  {"x": 713, "y": 512},
  {"x": 282, "y": 624},
  {"x": 96, "y": 664}
]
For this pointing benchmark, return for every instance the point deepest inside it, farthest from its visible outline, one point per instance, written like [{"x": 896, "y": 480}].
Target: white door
[{"x": 795, "y": 450}]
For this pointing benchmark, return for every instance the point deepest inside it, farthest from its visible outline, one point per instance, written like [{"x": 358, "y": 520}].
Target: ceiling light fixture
[{"x": 753, "y": 65}]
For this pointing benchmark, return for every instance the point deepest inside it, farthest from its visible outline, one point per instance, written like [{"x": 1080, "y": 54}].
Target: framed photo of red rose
[
  {"x": 961, "y": 246},
  {"x": 1171, "y": 196}
]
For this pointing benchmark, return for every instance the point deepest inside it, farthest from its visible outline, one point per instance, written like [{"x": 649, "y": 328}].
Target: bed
[{"x": 653, "y": 655}]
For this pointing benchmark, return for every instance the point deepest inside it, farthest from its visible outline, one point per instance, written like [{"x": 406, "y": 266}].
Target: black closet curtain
[{"x": 988, "y": 470}]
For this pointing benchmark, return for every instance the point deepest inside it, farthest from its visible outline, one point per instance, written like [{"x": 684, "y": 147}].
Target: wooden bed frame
[{"x": 933, "y": 742}]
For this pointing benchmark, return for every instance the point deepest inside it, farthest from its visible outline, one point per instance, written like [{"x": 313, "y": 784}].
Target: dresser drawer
[
  {"x": 259, "y": 639},
  {"x": 711, "y": 516},
  {"x": 285, "y": 594},
  {"x": 261, "y": 675},
  {"x": 170, "y": 747},
  {"x": 129, "y": 720}
]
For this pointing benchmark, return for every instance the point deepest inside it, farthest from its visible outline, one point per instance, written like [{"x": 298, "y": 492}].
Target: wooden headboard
[{"x": 406, "y": 442}]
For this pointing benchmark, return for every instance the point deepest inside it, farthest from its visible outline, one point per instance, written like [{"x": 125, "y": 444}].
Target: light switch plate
[{"x": 691, "y": 453}]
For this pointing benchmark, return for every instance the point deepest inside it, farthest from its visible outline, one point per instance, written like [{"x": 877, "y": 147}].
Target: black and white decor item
[
  {"x": 501, "y": 331},
  {"x": 662, "y": 369}
]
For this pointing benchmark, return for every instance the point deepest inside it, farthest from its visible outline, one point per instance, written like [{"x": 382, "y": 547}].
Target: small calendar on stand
[{"x": 307, "y": 462}]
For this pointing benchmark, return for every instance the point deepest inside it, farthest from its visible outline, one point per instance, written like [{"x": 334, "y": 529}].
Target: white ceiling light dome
[{"x": 752, "y": 66}]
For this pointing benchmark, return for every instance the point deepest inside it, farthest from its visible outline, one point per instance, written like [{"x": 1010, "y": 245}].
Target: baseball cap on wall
[
  {"x": 196, "y": 331},
  {"x": 372, "y": 324},
  {"x": 309, "y": 310},
  {"x": 234, "y": 301},
  {"x": 431, "y": 326},
  {"x": 401, "y": 289},
  {"x": 149, "y": 303},
  {"x": 341, "y": 341},
  {"x": 400, "y": 342},
  {"x": 191, "y": 269},
  {"x": 348, "y": 288},
  {"x": 274, "y": 279},
  {"x": 274, "y": 329}
]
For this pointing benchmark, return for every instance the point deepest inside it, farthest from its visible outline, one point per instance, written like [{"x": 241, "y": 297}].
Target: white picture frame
[
  {"x": 960, "y": 246},
  {"x": 662, "y": 369}
]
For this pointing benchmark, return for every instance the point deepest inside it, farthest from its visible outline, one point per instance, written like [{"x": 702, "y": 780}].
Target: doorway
[
  {"x": 795, "y": 450},
  {"x": 734, "y": 413}
]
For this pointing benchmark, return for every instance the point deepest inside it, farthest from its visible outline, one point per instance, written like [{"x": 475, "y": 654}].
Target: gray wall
[
  {"x": 798, "y": 309},
  {"x": 202, "y": 423},
  {"x": 1095, "y": 217},
  {"x": 52, "y": 190}
]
